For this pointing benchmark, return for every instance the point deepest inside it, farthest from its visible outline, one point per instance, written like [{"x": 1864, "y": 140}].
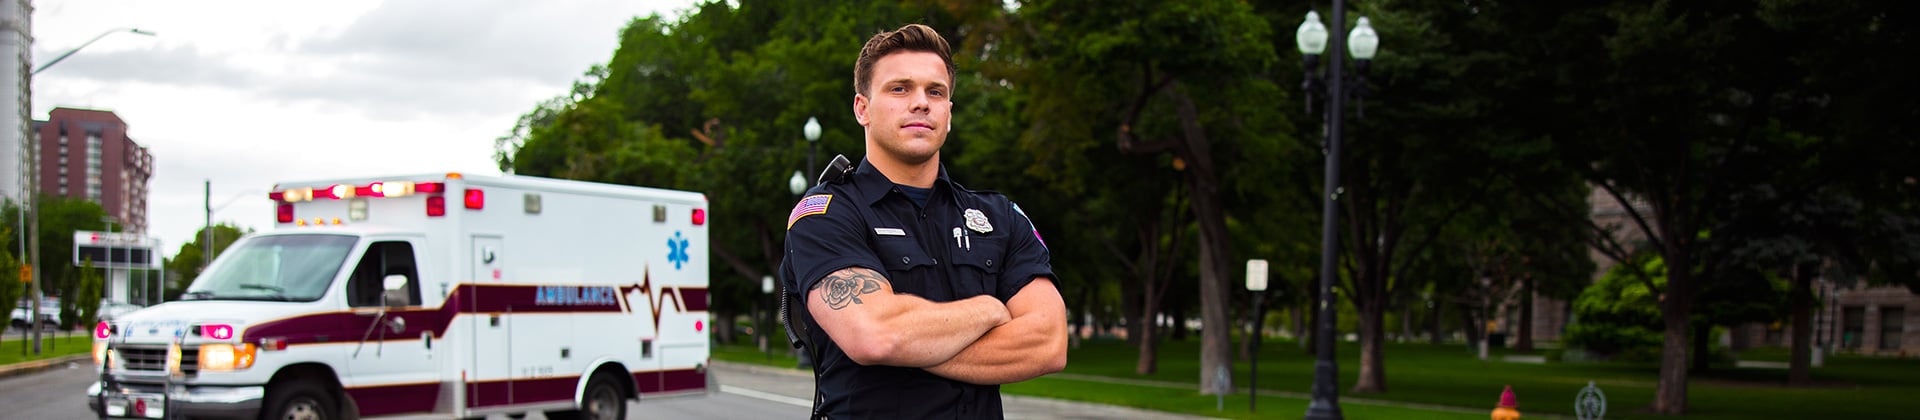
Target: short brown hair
[{"x": 913, "y": 37}]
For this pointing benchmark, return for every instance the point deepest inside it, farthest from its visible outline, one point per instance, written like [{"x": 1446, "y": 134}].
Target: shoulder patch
[
  {"x": 812, "y": 205},
  {"x": 1036, "y": 229}
]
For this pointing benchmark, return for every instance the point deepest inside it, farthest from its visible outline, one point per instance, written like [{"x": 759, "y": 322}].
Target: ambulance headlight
[{"x": 223, "y": 356}]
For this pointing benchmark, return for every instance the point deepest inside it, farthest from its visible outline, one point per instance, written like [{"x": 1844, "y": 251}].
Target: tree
[
  {"x": 188, "y": 262},
  {"x": 1666, "y": 109},
  {"x": 86, "y": 298},
  {"x": 1180, "y": 77}
]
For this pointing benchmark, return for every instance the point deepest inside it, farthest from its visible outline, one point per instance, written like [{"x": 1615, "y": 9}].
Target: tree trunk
[
  {"x": 1471, "y": 319},
  {"x": 1802, "y": 300},
  {"x": 1177, "y": 322},
  {"x": 1294, "y": 315},
  {"x": 1702, "y": 348},
  {"x": 1670, "y": 396},
  {"x": 1134, "y": 308},
  {"x": 1433, "y": 323},
  {"x": 1406, "y": 323},
  {"x": 1525, "y": 343},
  {"x": 1149, "y": 361},
  {"x": 1373, "y": 369}
]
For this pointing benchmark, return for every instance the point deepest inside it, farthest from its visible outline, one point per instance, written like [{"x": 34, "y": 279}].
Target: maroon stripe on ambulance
[
  {"x": 670, "y": 380},
  {"x": 521, "y": 391},
  {"x": 695, "y": 299},
  {"x": 528, "y": 391},
  {"x": 395, "y": 399},
  {"x": 349, "y": 326}
]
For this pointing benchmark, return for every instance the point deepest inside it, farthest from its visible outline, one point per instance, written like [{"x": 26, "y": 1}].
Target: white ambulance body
[{"x": 440, "y": 295}]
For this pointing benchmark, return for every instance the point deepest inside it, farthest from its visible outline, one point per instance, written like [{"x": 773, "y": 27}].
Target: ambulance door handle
[
  {"x": 565, "y": 353},
  {"x": 397, "y": 324}
]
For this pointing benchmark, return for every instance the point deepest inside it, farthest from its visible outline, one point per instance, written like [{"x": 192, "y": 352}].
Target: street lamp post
[
  {"x": 106, "y": 263},
  {"x": 1312, "y": 38},
  {"x": 56, "y": 60},
  {"x": 31, "y": 217},
  {"x": 812, "y": 130},
  {"x": 1256, "y": 283},
  {"x": 798, "y": 184},
  {"x": 759, "y": 324}
]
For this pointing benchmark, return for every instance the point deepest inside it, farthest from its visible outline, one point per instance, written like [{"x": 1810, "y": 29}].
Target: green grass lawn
[
  {"x": 52, "y": 344},
  {"x": 1449, "y": 375}
]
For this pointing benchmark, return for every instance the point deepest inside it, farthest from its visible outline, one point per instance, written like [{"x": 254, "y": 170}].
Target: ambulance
[{"x": 429, "y": 296}]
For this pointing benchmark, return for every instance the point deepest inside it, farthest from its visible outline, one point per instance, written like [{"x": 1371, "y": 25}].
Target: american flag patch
[{"x": 812, "y": 205}]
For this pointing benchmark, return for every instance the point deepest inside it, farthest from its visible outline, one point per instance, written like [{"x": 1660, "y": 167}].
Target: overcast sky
[{"x": 249, "y": 93}]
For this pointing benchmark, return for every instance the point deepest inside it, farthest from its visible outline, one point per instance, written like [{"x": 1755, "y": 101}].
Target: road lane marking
[{"x": 749, "y": 393}]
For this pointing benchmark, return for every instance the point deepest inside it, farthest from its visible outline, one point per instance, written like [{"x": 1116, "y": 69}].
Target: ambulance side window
[{"x": 381, "y": 260}]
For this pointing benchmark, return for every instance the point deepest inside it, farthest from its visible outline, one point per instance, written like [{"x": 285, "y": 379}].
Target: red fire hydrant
[{"x": 1508, "y": 409}]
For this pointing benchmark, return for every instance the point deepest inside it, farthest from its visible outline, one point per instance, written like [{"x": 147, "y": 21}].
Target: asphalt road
[
  {"x": 60, "y": 394},
  {"x": 744, "y": 392}
]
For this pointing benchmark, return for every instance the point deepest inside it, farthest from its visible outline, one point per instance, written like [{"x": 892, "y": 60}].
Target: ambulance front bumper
[{"x": 136, "y": 400}]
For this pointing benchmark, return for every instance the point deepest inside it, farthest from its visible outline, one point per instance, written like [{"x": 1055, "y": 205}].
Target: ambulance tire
[
  {"x": 298, "y": 399},
  {"x": 603, "y": 400}
]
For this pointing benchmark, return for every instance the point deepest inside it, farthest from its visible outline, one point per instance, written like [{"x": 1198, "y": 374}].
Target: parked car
[{"x": 48, "y": 317}]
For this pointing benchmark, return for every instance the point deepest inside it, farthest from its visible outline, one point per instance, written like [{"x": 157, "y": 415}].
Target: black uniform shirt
[{"x": 933, "y": 252}]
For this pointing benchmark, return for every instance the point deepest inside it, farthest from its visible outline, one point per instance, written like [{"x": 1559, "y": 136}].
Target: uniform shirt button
[
  {"x": 989, "y": 262},
  {"x": 906, "y": 260},
  {"x": 936, "y": 261}
]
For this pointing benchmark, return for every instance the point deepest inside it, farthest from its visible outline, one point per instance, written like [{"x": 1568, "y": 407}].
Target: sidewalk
[
  {"x": 1344, "y": 400},
  {"x": 795, "y": 387},
  {"x": 35, "y": 366}
]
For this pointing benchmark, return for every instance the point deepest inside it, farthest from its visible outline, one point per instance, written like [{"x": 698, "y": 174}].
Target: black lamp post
[
  {"x": 1312, "y": 40},
  {"x": 812, "y": 130},
  {"x": 1257, "y": 284}
]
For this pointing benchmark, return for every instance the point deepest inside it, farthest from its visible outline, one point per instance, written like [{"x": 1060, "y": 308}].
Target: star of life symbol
[
  {"x": 1590, "y": 404},
  {"x": 677, "y": 250}
]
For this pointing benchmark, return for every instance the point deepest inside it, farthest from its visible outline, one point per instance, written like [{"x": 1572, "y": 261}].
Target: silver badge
[{"x": 978, "y": 221}]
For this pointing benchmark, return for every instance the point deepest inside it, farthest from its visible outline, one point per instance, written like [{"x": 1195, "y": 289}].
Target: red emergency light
[
  {"x": 101, "y": 330},
  {"x": 699, "y": 217},
  {"x": 476, "y": 199},
  {"x": 284, "y": 213},
  {"x": 436, "y": 206}
]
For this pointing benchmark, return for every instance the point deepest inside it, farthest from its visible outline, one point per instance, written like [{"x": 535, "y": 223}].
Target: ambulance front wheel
[
  {"x": 299, "y": 400},
  {"x": 603, "y": 401}
]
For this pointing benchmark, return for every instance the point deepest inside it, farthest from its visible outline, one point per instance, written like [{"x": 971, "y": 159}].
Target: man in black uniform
[{"x": 924, "y": 296}]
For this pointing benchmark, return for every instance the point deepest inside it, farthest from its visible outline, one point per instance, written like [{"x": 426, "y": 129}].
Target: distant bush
[{"x": 1617, "y": 317}]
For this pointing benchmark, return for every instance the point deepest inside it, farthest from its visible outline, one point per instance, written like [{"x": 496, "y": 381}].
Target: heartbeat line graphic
[{"x": 657, "y": 297}]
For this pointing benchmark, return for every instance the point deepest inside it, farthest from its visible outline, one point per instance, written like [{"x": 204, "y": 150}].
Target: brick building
[{"x": 87, "y": 154}]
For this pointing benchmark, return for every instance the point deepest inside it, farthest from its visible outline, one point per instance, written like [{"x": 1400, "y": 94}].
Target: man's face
[{"x": 907, "y": 109}]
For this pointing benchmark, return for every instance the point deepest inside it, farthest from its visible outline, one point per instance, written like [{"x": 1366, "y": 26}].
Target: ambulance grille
[{"x": 154, "y": 359}]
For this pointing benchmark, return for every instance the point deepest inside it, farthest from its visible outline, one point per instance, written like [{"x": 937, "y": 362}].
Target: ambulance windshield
[{"x": 276, "y": 268}]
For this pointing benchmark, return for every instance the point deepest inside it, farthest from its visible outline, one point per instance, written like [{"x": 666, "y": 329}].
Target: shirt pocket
[
  {"x": 906, "y": 263},
  {"x": 977, "y": 265}
]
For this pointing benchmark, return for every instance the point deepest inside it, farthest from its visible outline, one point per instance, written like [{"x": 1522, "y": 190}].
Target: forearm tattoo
[{"x": 847, "y": 285}]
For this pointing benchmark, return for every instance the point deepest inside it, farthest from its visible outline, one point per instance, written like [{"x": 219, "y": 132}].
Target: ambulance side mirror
[{"x": 396, "y": 291}]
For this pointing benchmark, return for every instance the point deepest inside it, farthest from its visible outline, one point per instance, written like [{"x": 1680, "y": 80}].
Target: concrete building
[
  {"x": 87, "y": 154},
  {"x": 1859, "y": 319},
  {"x": 16, "y": 62}
]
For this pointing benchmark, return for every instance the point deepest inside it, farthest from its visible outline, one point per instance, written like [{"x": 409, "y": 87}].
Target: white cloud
[{"x": 246, "y": 93}]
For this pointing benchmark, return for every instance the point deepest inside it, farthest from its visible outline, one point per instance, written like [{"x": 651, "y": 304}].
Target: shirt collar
[{"x": 874, "y": 185}]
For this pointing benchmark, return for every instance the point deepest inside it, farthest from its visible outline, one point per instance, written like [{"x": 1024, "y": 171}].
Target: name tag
[{"x": 889, "y": 232}]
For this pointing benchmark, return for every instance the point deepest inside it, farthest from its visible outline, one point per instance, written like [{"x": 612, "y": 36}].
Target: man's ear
[{"x": 860, "y": 109}]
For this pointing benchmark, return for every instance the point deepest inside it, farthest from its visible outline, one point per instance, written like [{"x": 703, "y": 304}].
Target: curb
[{"x": 37, "y": 366}]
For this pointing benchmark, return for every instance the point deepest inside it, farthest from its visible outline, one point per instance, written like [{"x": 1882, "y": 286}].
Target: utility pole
[{"x": 206, "y": 232}]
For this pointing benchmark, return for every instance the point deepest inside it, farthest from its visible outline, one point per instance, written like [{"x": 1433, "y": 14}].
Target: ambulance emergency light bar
[{"x": 436, "y": 205}]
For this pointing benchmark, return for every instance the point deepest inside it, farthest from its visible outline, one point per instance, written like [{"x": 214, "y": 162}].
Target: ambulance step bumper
[{"x": 132, "y": 400}]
